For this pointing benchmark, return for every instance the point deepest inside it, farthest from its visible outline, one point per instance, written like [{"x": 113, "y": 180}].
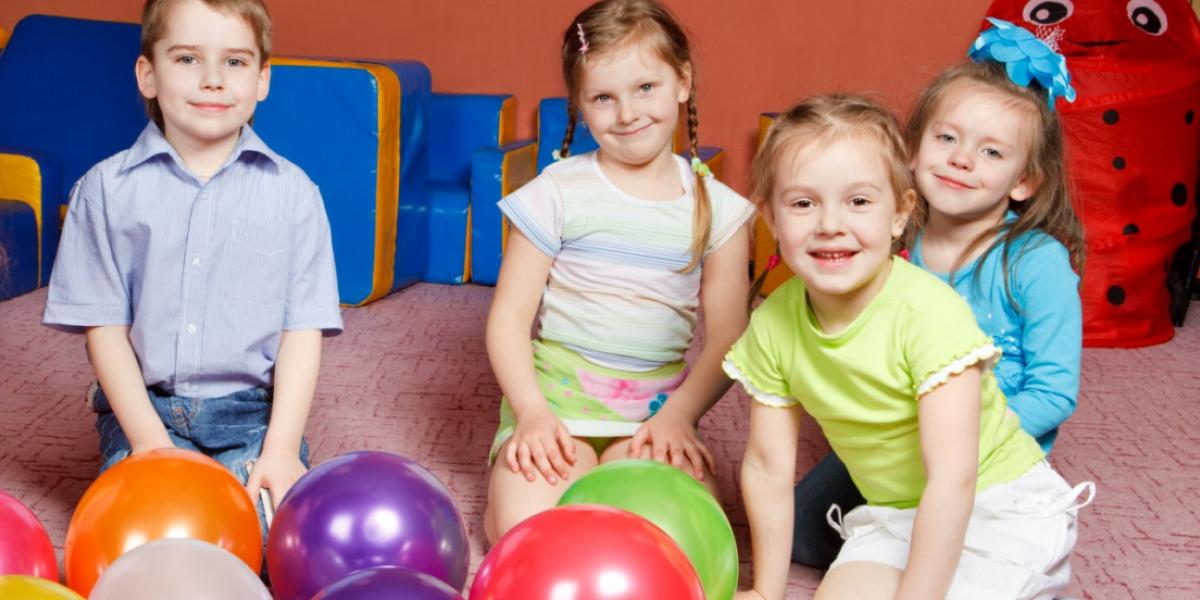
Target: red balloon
[
  {"x": 586, "y": 552},
  {"x": 25, "y": 547},
  {"x": 165, "y": 493}
]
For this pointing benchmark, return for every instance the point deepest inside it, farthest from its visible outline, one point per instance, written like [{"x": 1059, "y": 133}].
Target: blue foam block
[{"x": 19, "y": 240}]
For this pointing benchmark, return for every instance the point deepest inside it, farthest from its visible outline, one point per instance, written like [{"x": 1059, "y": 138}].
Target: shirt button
[
  {"x": 191, "y": 328},
  {"x": 195, "y": 262}
]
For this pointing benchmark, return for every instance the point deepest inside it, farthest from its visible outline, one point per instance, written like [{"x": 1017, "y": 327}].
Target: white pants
[{"x": 1018, "y": 542}]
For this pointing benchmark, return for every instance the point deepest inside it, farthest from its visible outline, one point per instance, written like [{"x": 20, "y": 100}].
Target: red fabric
[{"x": 1132, "y": 141}]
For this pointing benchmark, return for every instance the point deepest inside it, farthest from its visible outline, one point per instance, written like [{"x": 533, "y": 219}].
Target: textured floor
[{"x": 410, "y": 376}]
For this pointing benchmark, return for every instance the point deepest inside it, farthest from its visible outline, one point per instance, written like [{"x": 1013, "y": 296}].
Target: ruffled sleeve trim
[
  {"x": 987, "y": 354},
  {"x": 766, "y": 398}
]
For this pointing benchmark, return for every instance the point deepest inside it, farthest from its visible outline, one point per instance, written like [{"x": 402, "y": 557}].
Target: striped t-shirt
[{"x": 615, "y": 292}]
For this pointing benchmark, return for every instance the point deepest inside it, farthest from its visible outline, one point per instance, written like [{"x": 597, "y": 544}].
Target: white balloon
[{"x": 179, "y": 569}]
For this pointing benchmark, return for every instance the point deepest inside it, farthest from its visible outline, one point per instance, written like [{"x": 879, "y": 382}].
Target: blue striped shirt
[{"x": 207, "y": 275}]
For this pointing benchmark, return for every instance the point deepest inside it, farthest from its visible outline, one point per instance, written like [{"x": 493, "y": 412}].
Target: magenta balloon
[
  {"x": 25, "y": 547},
  {"x": 363, "y": 510},
  {"x": 388, "y": 582}
]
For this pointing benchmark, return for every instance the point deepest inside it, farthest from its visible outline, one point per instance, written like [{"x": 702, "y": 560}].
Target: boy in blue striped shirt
[{"x": 198, "y": 262}]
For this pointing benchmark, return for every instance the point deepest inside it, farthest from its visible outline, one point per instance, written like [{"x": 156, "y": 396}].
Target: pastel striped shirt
[
  {"x": 615, "y": 293},
  {"x": 206, "y": 275}
]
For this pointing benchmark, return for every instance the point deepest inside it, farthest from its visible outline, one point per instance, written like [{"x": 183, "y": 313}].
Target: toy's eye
[
  {"x": 1048, "y": 12},
  {"x": 1147, "y": 15}
]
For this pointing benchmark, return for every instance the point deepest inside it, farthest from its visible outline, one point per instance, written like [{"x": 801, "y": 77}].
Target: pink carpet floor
[{"x": 410, "y": 376}]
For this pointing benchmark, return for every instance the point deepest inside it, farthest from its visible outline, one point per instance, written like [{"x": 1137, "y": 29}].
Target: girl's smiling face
[{"x": 835, "y": 213}]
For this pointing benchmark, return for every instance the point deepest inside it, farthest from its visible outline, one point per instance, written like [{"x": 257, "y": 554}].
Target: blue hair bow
[{"x": 1025, "y": 57}]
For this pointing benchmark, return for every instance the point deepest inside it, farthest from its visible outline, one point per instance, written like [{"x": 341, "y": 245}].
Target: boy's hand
[
  {"x": 748, "y": 595},
  {"x": 275, "y": 473},
  {"x": 541, "y": 444},
  {"x": 153, "y": 444},
  {"x": 674, "y": 442}
]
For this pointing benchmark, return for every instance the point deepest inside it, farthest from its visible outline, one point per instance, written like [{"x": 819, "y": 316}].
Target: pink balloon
[{"x": 25, "y": 547}]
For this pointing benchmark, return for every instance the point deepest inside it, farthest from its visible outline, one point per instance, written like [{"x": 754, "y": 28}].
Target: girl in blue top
[{"x": 994, "y": 220}]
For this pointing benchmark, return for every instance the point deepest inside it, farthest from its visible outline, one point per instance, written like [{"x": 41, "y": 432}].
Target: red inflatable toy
[{"x": 1132, "y": 142}]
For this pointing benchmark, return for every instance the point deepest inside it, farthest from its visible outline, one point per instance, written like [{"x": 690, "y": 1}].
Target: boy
[{"x": 199, "y": 262}]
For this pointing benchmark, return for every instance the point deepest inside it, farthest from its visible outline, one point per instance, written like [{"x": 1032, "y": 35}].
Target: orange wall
[{"x": 752, "y": 55}]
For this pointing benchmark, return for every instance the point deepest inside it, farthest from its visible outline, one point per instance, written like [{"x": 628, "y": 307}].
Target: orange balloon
[{"x": 165, "y": 493}]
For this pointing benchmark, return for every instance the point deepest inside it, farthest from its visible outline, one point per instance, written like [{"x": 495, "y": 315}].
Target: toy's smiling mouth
[{"x": 1096, "y": 43}]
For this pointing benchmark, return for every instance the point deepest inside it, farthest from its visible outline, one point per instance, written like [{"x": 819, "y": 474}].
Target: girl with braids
[{"x": 613, "y": 251}]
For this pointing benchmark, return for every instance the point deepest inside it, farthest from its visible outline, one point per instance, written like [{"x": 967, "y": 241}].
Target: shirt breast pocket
[{"x": 257, "y": 262}]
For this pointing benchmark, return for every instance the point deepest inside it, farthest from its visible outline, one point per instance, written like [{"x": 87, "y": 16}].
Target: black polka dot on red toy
[
  {"x": 1131, "y": 229},
  {"x": 1189, "y": 117},
  {"x": 1118, "y": 163},
  {"x": 1179, "y": 194},
  {"x": 1111, "y": 117},
  {"x": 1116, "y": 295}
]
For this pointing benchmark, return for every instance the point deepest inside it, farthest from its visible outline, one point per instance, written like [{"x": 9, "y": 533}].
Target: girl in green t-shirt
[{"x": 889, "y": 361}]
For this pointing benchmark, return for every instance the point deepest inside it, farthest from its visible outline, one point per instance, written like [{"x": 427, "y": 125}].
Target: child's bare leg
[
  {"x": 512, "y": 498},
  {"x": 859, "y": 579},
  {"x": 619, "y": 450}
]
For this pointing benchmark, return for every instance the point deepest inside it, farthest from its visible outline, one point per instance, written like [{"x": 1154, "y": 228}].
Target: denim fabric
[
  {"x": 230, "y": 429},
  {"x": 814, "y": 542}
]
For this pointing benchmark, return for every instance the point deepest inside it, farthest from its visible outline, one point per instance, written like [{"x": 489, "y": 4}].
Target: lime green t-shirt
[{"x": 862, "y": 384}]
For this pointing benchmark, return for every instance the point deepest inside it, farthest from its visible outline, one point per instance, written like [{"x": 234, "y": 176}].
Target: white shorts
[{"x": 1018, "y": 541}]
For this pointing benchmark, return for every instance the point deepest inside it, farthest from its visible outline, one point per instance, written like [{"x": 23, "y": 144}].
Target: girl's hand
[
  {"x": 276, "y": 473},
  {"x": 674, "y": 442},
  {"x": 541, "y": 444}
]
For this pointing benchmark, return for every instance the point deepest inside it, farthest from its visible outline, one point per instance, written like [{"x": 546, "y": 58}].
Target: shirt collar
[{"x": 152, "y": 143}]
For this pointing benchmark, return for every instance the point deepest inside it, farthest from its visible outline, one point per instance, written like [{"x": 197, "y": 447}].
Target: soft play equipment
[
  {"x": 362, "y": 510},
  {"x": 359, "y": 130},
  {"x": 30, "y": 185},
  {"x": 388, "y": 582},
  {"x": 25, "y": 547},
  {"x": 474, "y": 160},
  {"x": 1132, "y": 142},
  {"x": 179, "y": 569},
  {"x": 586, "y": 553},
  {"x": 677, "y": 504},
  {"x": 163, "y": 493},
  {"x": 3, "y": 38},
  {"x": 87, "y": 111}
]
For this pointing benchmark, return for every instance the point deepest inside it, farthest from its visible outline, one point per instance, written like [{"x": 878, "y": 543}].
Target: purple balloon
[
  {"x": 362, "y": 510},
  {"x": 388, "y": 582}
]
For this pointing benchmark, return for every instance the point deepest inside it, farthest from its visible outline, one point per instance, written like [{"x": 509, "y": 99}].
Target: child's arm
[
  {"x": 723, "y": 289},
  {"x": 949, "y": 430},
  {"x": 120, "y": 377},
  {"x": 296, "y": 368},
  {"x": 768, "y": 474},
  {"x": 540, "y": 443},
  {"x": 1051, "y": 339}
]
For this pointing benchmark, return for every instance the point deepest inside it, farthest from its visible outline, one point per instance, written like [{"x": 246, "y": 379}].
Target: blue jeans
[
  {"x": 230, "y": 429},
  {"x": 814, "y": 542}
]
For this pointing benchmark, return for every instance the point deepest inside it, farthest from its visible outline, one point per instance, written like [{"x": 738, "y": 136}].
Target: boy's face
[{"x": 207, "y": 75}]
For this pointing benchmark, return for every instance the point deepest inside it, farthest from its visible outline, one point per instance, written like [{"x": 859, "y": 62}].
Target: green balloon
[{"x": 678, "y": 505}]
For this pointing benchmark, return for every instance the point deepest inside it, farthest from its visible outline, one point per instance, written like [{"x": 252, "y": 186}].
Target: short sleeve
[
  {"x": 536, "y": 210},
  {"x": 755, "y": 360},
  {"x": 312, "y": 301},
  {"x": 942, "y": 338},
  {"x": 86, "y": 285},
  {"x": 730, "y": 213}
]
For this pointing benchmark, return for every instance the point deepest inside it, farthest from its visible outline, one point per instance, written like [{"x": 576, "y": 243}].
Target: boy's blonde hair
[
  {"x": 613, "y": 24},
  {"x": 154, "y": 27},
  {"x": 1049, "y": 208},
  {"x": 821, "y": 119}
]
